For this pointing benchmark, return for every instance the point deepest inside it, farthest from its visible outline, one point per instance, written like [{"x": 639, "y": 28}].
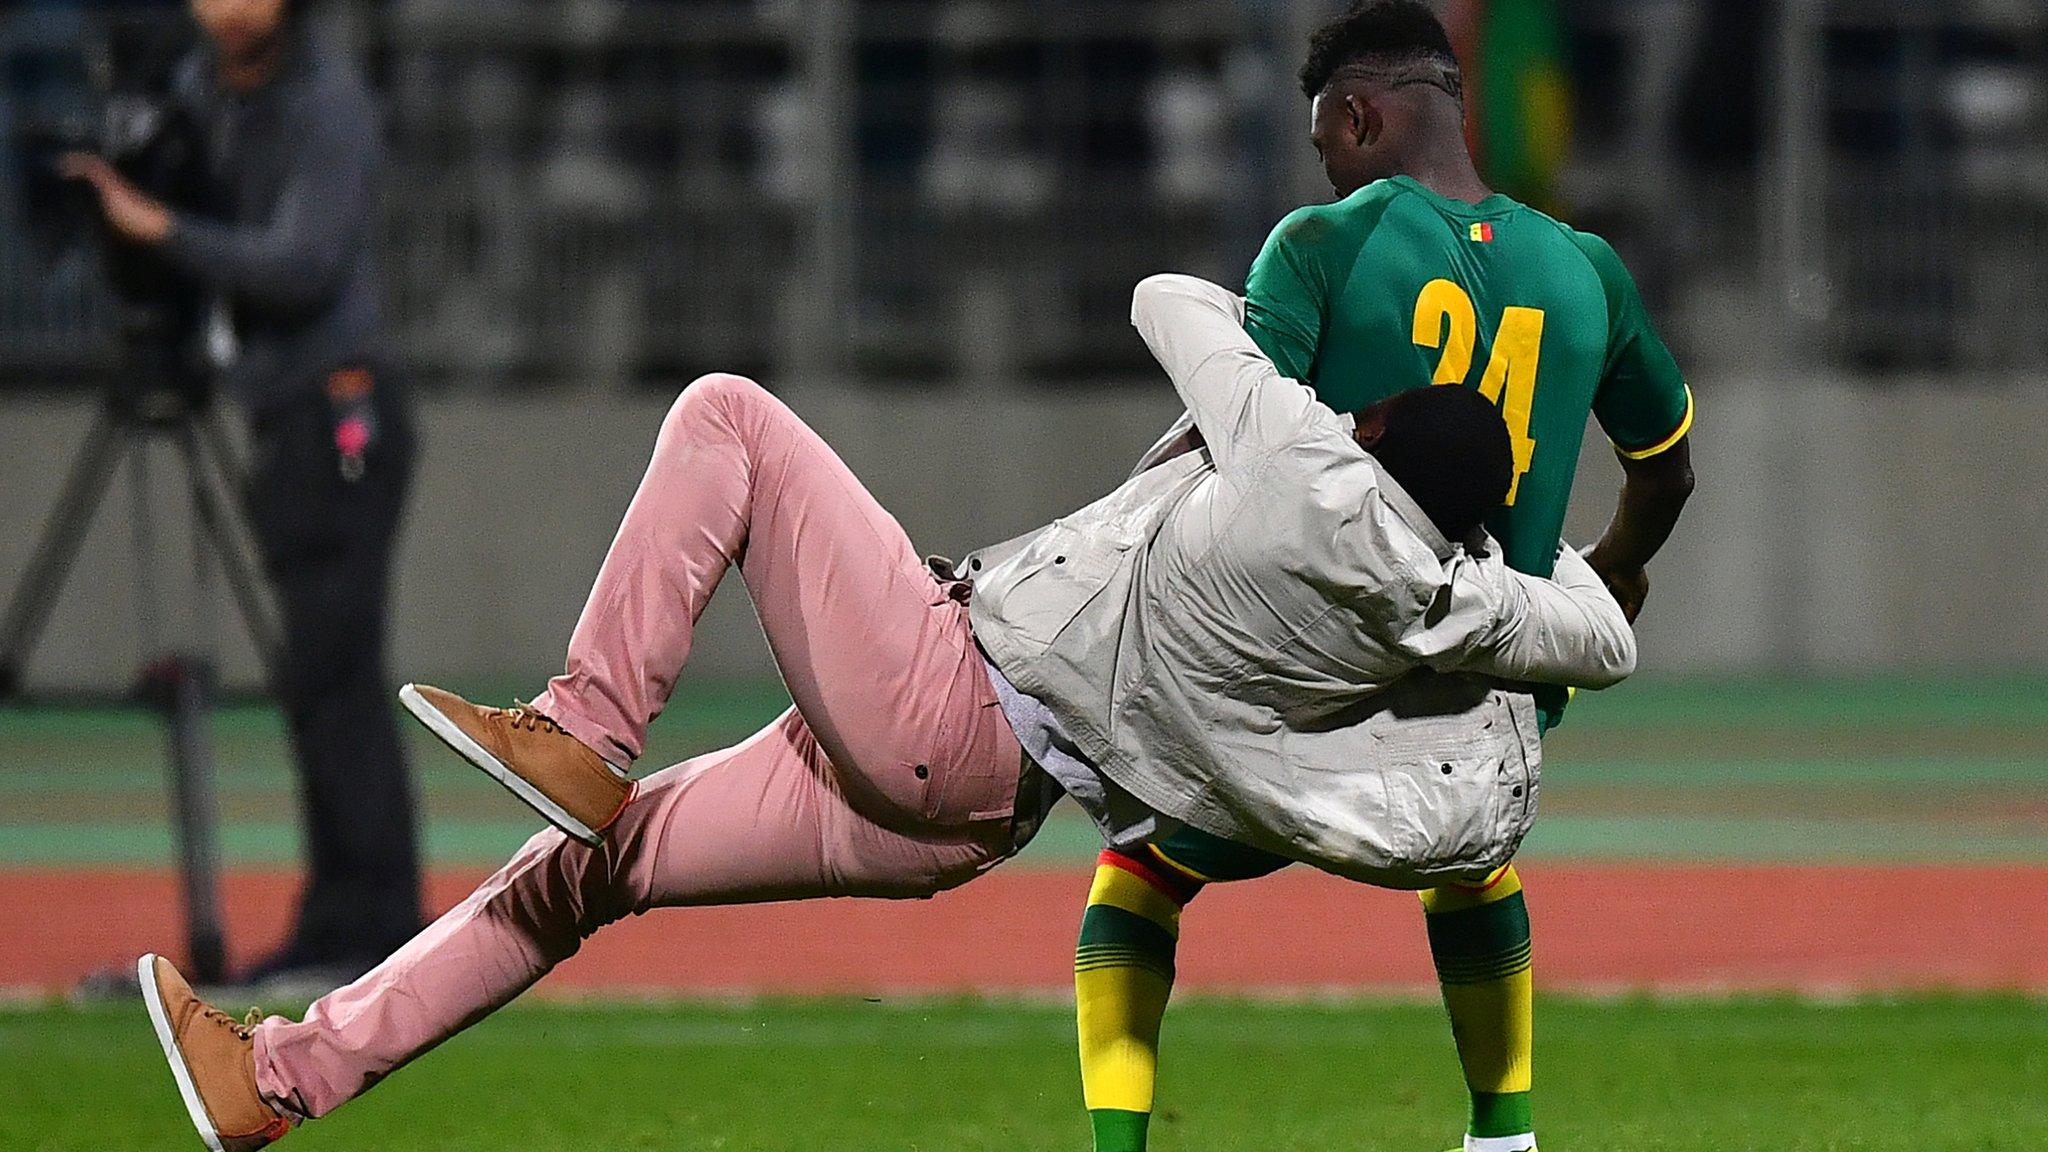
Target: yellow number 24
[{"x": 1445, "y": 318}]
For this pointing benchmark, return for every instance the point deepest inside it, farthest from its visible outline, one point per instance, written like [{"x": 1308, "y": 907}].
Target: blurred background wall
[{"x": 920, "y": 220}]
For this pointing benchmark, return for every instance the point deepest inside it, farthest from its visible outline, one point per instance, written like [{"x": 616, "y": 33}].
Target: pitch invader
[
  {"x": 1418, "y": 274},
  {"x": 901, "y": 768}
]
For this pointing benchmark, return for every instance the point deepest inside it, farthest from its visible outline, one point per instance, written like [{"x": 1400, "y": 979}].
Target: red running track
[{"x": 1599, "y": 927}]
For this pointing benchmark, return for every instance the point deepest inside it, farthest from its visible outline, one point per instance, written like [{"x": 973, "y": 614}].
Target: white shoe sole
[
  {"x": 153, "y": 999},
  {"x": 454, "y": 737}
]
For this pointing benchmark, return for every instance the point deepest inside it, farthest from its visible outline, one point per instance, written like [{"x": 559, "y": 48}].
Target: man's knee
[
  {"x": 720, "y": 393},
  {"x": 725, "y": 404}
]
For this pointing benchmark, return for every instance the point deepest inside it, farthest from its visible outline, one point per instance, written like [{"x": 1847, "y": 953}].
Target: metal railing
[
  {"x": 1910, "y": 180},
  {"x": 602, "y": 192},
  {"x": 607, "y": 191}
]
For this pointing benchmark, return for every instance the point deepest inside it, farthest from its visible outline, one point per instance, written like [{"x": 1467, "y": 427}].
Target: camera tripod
[{"x": 178, "y": 684}]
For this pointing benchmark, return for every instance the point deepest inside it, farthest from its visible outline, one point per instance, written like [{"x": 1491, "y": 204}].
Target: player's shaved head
[
  {"x": 1447, "y": 447},
  {"x": 1386, "y": 93}
]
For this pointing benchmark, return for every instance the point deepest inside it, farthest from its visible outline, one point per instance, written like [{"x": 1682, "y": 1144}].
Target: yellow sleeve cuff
[{"x": 1664, "y": 445}]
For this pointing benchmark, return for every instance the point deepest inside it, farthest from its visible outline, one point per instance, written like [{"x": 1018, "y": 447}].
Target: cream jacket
[{"x": 1269, "y": 641}]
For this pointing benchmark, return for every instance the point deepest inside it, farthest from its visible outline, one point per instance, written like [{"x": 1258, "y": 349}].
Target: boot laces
[
  {"x": 243, "y": 1029},
  {"x": 522, "y": 715}
]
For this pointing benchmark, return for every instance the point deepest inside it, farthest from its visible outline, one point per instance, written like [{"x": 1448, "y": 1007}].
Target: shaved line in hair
[{"x": 1432, "y": 73}]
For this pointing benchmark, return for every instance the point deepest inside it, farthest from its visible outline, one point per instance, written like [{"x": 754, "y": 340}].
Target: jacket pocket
[
  {"x": 1452, "y": 821},
  {"x": 1458, "y": 790},
  {"x": 1068, "y": 571},
  {"x": 1519, "y": 772}
]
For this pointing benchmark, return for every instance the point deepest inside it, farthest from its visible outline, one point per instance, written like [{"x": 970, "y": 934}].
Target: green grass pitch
[{"x": 1919, "y": 1075}]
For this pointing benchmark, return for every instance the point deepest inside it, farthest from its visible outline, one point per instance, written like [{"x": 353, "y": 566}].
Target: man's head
[
  {"x": 1384, "y": 87},
  {"x": 1447, "y": 447},
  {"x": 246, "y": 32}
]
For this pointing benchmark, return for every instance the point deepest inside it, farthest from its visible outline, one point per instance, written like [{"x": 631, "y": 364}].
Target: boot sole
[
  {"x": 455, "y": 738},
  {"x": 153, "y": 999}
]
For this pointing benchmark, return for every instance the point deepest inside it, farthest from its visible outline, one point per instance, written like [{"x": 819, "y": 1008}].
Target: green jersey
[{"x": 1395, "y": 287}]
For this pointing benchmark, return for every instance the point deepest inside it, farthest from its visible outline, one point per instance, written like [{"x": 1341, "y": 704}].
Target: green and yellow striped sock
[
  {"x": 1479, "y": 937},
  {"x": 1123, "y": 976}
]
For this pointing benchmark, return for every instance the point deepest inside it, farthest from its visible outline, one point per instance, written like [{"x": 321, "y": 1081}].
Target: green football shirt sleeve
[
  {"x": 1643, "y": 403},
  {"x": 1287, "y": 293}
]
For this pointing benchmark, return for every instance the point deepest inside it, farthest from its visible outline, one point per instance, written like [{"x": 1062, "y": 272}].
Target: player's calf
[
  {"x": 1479, "y": 937},
  {"x": 213, "y": 1060}
]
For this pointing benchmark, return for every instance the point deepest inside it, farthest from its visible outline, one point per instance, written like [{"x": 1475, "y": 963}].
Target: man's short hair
[
  {"x": 1447, "y": 447},
  {"x": 1376, "y": 33}
]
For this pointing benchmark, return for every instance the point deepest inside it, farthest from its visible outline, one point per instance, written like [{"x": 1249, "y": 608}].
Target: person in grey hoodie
[{"x": 287, "y": 245}]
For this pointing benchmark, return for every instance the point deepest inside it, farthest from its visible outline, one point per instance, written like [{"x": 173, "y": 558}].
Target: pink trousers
[{"x": 894, "y": 775}]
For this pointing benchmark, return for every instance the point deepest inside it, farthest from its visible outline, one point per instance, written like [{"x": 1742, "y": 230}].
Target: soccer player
[
  {"x": 901, "y": 770},
  {"x": 1417, "y": 275}
]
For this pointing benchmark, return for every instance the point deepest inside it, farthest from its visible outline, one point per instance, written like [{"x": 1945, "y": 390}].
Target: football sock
[
  {"x": 1479, "y": 937},
  {"x": 1123, "y": 975}
]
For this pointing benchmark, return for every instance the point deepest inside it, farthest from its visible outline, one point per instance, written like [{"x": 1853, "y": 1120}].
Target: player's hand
[
  {"x": 130, "y": 212},
  {"x": 1630, "y": 586}
]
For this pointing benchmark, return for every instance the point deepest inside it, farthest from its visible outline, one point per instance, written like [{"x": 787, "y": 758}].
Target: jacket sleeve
[
  {"x": 1238, "y": 400},
  {"x": 1492, "y": 620},
  {"x": 298, "y": 260}
]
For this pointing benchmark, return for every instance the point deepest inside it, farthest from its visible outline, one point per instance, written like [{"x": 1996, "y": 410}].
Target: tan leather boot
[
  {"x": 213, "y": 1060},
  {"x": 531, "y": 756}
]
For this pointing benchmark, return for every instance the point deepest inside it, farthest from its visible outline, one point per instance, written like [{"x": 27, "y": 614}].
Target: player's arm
[
  {"x": 1284, "y": 299},
  {"x": 1647, "y": 411},
  {"x": 1239, "y": 403},
  {"x": 1287, "y": 291},
  {"x": 297, "y": 260},
  {"x": 1492, "y": 620},
  {"x": 1654, "y": 490}
]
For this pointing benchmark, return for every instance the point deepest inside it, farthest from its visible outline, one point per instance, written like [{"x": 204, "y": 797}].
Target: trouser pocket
[
  {"x": 982, "y": 760},
  {"x": 982, "y": 783},
  {"x": 302, "y": 506}
]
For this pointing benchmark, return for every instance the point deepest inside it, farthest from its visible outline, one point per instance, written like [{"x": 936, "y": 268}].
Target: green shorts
[{"x": 1212, "y": 858}]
